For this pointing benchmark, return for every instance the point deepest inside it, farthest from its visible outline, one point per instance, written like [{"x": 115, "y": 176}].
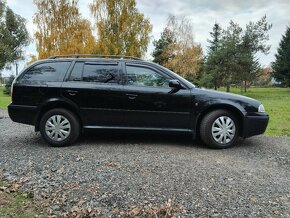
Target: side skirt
[{"x": 139, "y": 128}]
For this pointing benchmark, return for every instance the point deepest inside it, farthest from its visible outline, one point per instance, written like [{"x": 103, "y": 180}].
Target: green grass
[
  {"x": 277, "y": 105},
  {"x": 4, "y": 99},
  {"x": 17, "y": 204}
]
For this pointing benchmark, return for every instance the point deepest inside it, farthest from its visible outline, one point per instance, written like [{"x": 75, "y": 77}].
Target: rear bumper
[
  {"x": 255, "y": 124},
  {"x": 22, "y": 114}
]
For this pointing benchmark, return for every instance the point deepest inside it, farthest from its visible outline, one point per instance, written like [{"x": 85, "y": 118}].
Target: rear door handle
[
  {"x": 132, "y": 96},
  {"x": 72, "y": 92}
]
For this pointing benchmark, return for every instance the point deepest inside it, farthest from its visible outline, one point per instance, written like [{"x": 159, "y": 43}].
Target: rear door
[
  {"x": 150, "y": 102},
  {"x": 95, "y": 87}
]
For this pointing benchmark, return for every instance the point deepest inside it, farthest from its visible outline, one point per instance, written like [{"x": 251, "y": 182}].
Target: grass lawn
[
  {"x": 4, "y": 99},
  {"x": 277, "y": 105}
]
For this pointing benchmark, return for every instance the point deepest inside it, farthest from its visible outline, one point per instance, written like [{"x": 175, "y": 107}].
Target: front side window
[
  {"x": 101, "y": 73},
  {"x": 46, "y": 72},
  {"x": 141, "y": 76}
]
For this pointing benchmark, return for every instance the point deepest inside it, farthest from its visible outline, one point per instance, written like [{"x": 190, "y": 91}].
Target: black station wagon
[{"x": 63, "y": 95}]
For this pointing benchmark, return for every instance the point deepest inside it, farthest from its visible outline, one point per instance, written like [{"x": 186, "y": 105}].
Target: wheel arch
[
  {"x": 221, "y": 106},
  {"x": 56, "y": 103}
]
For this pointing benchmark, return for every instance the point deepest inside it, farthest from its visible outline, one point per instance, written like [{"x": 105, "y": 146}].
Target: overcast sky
[{"x": 202, "y": 13}]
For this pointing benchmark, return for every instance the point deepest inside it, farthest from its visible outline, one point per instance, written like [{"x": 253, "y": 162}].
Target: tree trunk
[
  {"x": 228, "y": 88},
  {"x": 245, "y": 88}
]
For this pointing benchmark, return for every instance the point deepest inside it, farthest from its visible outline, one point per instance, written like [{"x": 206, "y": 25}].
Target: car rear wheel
[
  {"x": 219, "y": 129},
  {"x": 59, "y": 127}
]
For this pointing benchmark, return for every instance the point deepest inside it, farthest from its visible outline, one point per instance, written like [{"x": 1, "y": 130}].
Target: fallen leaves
[
  {"x": 82, "y": 211},
  {"x": 167, "y": 210},
  {"x": 112, "y": 164},
  {"x": 53, "y": 203},
  {"x": 10, "y": 187}
]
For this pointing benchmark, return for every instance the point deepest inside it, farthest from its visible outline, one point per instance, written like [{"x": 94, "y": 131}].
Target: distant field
[
  {"x": 4, "y": 99},
  {"x": 275, "y": 100},
  {"x": 277, "y": 105}
]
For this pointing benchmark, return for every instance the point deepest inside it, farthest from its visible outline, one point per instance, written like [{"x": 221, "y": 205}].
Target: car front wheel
[
  {"x": 219, "y": 129},
  {"x": 59, "y": 127}
]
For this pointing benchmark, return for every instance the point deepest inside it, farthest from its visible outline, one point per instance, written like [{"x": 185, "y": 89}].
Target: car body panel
[
  {"x": 120, "y": 106},
  {"x": 157, "y": 108},
  {"x": 96, "y": 102}
]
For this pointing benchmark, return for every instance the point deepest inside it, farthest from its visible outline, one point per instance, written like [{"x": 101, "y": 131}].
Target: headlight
[{"x": 261, "y": 109}]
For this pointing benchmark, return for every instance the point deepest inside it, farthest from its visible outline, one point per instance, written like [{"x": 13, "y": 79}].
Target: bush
[{"x": 7, "y": 90}]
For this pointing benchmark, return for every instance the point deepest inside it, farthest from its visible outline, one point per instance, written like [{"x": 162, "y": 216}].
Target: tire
[
  {"x": 219, "y": 129},
  {"x": 63, "y": 123}
]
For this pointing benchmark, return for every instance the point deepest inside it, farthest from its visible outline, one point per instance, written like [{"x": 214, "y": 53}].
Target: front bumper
[
  {"x": 255, "y": 124},
  {"x": 22, "y": 114}
]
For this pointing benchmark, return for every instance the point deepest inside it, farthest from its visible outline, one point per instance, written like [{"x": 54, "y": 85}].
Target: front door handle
[
  {"x": 132, "y": 96},
  {"x": 72, "y": 92}
]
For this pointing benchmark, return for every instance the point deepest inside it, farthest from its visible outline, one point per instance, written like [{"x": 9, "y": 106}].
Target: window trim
[{"x": 146, "y": 67}]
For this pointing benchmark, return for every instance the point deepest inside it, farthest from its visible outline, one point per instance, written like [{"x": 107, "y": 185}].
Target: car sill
[{"x": 138, "y": 128}]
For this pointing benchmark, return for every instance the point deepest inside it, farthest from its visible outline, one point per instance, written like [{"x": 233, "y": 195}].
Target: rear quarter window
[{"x": 45, "y": 72}]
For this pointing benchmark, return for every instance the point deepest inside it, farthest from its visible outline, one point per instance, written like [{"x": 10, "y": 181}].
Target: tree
[
  {"x": 253, "y": 41},
  {"x": 121, "y": 28},
  {"x": 161, "y": 51},
  {"x": 61, "y": 29},
  {"x": 177, "y": 50},
  {"x": 248, "y": 70},
  {"x": 228, "y": 55},
  {"x": 281, "y": 66},
  {"x": 213, "y": 76},
  {"x": 216, "y": 35},
  {"x": 13, "y": 35},
  {"x": 234, "y": 59},
  {"x": 32, "y": 58}
]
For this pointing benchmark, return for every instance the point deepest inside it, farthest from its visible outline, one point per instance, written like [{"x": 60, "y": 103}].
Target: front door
[{"x": 150, "y": 102}]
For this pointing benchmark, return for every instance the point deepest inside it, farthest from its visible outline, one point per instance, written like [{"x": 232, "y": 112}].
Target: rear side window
[
  {"x": 101, "y": 73},
  {"x": 46, "y": 72}
]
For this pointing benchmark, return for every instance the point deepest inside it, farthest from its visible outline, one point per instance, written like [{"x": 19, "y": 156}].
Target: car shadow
[
  {"x": 120, "y": 137},
  {"x": 110, "y": 137}
]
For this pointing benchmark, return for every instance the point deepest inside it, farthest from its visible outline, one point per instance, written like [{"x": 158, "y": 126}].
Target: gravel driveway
[{"x": 114, "y": 174}]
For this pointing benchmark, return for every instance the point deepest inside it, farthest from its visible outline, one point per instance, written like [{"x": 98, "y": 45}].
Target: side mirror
[{"x": 175, "y": 84}]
